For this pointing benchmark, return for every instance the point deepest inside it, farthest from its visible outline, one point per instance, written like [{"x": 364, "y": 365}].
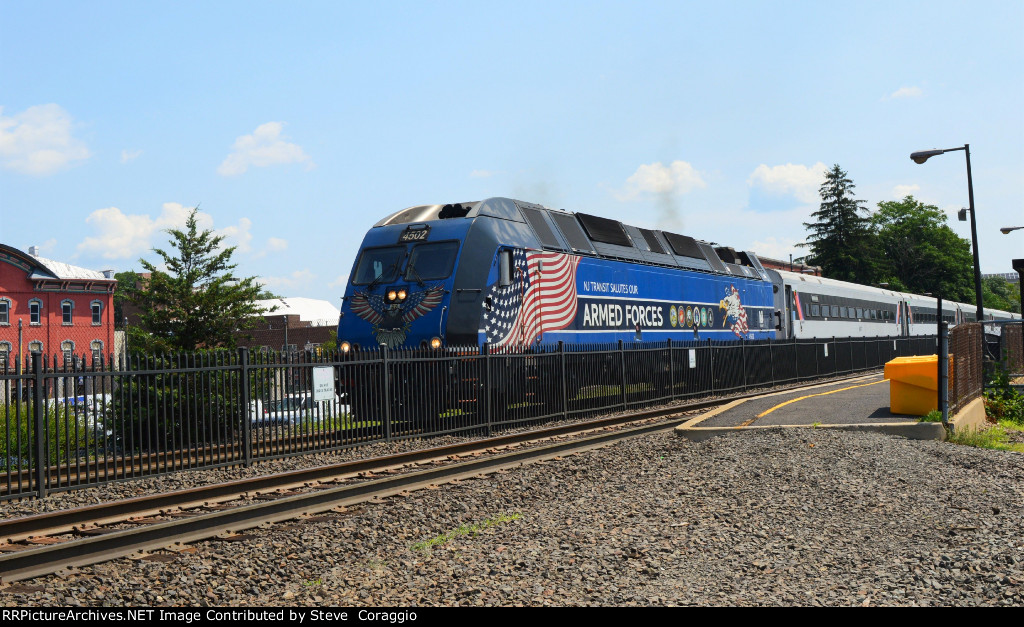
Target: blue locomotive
[{"x": 515, "y": 275}]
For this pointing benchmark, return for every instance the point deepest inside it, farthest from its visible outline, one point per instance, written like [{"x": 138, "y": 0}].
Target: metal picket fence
[{"x": 69, "y": 423}]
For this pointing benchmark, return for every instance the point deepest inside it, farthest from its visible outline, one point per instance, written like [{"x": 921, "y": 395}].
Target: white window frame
[
  {"x": 39, "y": 312},
  {"x": 93, "y": 306},
  {"x": 69, "y": 319},
  {"x": 5, "y": 316}
]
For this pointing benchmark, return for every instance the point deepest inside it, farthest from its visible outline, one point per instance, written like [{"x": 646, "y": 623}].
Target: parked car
[{"x": 293, "y": 408}]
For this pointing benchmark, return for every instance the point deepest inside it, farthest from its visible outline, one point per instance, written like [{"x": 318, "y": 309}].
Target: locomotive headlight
[
  {"x": 435, "y": 343},
  {"x": 392, "y": 295},
  {"x": 345, "y": 347},
  {"x": 402, "y": 294}
]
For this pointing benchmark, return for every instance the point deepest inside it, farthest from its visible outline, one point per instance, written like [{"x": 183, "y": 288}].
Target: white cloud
[
  {"x": 38, "y": 141},
  {"x": 340, "y": 281},
  {"x": 121, "y": 236},
  {"x": 239, "y": 236},
  {"x": 265, "y": 147},
  {"x": 48, "y": 246},
  {"x": 482, "y": 174},
  {"x": 656, "y": 178},
  {"x": 273, "y": 245},
  {"x": 297, "y": 279},
  {"x": 906, "y": 92},
  {"x": 130, "y": 155},
  {"x": 902, "y": 191},
  {"x": 799, "y": 180}
]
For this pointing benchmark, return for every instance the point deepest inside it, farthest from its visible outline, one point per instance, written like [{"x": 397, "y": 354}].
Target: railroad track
[{"x": 42, "y": 544}]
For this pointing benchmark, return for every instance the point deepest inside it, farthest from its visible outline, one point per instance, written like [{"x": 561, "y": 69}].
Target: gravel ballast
[{"x": 772, "y": 517}]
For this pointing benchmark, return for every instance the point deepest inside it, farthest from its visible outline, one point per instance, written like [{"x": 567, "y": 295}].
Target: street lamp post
[
  {"x": 924, "y": 155},
  {"x": 1018, "y": 265}
]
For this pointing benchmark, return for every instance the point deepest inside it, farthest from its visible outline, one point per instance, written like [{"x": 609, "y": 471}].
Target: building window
[
  {"x": 97, "y": 312},
  {"x": 35, "y": 346},
  {"x": 35, "y": 311},
  {"x": 5, "y": 311},
  {"x": 97, "y": 351},
  {"x": 66, "y": 309},
  {"x": 68, "y": 348},
  {"x": 5, "y": 352}
]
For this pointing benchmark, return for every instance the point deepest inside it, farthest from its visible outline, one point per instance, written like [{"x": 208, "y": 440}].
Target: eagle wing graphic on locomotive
[{"x": 391, "y": 321}]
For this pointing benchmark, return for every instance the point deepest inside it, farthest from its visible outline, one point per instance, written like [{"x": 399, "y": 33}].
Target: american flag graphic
[{"x": 541, "y": 298}]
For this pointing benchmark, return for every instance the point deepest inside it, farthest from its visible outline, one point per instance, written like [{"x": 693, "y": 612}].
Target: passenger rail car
[{"x": 820, "y": 307}]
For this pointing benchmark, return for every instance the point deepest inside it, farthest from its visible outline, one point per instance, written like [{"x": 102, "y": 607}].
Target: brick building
[
  {"x": 63, "y": 309},
  {"x": 298, "y": 323},
  {"x": 791, "y": 266}
]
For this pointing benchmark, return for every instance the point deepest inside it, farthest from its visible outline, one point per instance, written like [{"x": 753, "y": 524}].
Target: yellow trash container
[{"x": 913, "y": 384}]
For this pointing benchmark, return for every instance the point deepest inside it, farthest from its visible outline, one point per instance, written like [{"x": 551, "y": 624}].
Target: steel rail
[
  {"x": 123, "y": 542},
  {"x": 66, "y": 521}
]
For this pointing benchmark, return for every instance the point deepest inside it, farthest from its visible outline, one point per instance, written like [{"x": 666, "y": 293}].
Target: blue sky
[{"x": 296, "y": 126}]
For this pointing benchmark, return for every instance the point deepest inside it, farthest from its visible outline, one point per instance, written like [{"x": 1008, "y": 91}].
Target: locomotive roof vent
[{"x": 458, "y": 210}]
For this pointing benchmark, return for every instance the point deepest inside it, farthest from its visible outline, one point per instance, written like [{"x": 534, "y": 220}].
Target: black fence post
[
  {"x": 671, "y": 371},
  {"x": 386, "y": 400},
  {"x": 488, "y": 403},
  {"x": 796, "y": 357},
  {"x": 771, "y": 360},
  {"x": 743, "y": 358},
  {"x": 622, "y": 367},
  {"x": 565, "y": 381},
  {"x": 243, "y": 361},
  {"x": 39, "y": 407},
  {"x": 711, "y": 358}
]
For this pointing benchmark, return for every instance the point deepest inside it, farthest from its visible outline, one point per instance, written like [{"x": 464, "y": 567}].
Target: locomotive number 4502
[{"x": 414, "y": 235}]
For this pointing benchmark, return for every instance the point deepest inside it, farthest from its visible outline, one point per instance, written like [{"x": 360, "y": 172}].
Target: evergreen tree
[
  {"x": 841, "y": 240},
  {"x": 921, "y": 253},
  {"x": 197, "y": 302}
]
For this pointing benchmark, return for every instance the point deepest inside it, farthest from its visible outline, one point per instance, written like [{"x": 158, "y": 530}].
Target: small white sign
[
  {"x": 826, "y": 349},
  {"x": 693, "y": 358},
  {"x": 323, "y": 383}
]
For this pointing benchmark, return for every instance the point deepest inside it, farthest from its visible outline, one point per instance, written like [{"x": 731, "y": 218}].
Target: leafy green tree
[
  {"x": 197, "y": 302},
  {"x": 998, "y": 293},
  {"x": 841, "y": 240},
  {"x": 920, "y": 252}
]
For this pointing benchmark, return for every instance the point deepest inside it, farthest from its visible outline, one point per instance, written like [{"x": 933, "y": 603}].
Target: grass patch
[
  {"x": 464, "y": 530},
  {"x": 932, "y": 416},
  {"x": 995, "y": 438},
  {"x": 594, "y": 391}
]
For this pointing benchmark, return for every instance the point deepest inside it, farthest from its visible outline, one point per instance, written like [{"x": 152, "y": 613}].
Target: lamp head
[
  {"x": 923, "y": 155},
  {"x": 962, "y": 214}
]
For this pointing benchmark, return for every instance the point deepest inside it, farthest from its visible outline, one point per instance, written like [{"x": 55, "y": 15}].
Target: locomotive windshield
[
  {"x": 430, "y": 262},
  {"x": 378, "y": 265}
]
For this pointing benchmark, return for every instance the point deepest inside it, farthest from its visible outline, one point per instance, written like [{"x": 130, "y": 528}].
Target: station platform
[{"x": 855, "y": 404}]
